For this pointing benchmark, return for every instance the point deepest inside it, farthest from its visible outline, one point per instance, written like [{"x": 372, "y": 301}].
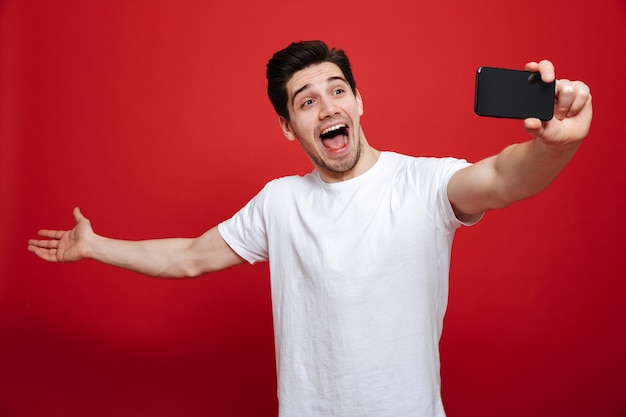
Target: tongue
[{"x": 335, "y": 142}]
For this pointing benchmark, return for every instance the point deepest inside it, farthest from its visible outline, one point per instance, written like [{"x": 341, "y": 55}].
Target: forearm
[
  {"x": 166, "y": 258},
  {"x": 518, "y": 172},
  {"x": 525, "y": 169}
]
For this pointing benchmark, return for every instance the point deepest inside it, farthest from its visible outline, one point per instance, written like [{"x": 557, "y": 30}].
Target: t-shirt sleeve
[
  {"x": 457, "y": 165},
  {"x": 246, "y": 231},
  {"x": 435, "y": 181}
]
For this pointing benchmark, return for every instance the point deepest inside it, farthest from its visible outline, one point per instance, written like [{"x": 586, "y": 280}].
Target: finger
[
  {"x": 565, "y": 95},
  {"x": 546, "y": 69},
  {"x": 52, "y": 234},
  {"x": 49, "y": 255},
  {"x": 582, "y": 95},
  {"x": 45, "y": 244},
  {"x": 532, "y": 67}
]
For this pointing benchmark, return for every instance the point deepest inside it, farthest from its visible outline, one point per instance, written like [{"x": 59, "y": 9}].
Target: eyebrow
[{"x": 306, "y": 86}]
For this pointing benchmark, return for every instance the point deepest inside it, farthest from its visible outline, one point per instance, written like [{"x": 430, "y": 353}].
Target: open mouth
[{"x": 335, "y": 137}]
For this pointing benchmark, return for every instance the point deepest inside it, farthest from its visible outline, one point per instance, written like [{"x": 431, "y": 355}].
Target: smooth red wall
[{"x": 152, "y": 117}]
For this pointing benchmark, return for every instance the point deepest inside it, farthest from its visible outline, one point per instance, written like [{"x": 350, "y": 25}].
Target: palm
[{"x": 71, "y": 242}]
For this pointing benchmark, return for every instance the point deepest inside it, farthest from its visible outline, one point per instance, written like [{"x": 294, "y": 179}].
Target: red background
[{"x": 152, "y": 117}]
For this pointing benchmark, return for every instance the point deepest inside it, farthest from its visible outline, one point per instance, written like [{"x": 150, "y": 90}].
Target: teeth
[{"x": 333, "y": 128}]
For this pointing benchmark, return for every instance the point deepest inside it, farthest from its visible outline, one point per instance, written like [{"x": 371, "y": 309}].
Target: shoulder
[
  {"x": 292, "y": 182},
  {"x": 424, "y": 166},
  {"x": 289, "y": 187}
]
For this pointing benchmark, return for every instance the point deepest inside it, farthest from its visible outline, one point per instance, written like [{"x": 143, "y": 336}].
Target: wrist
[
  {"x": 93, "y": 247},
  {"x": 557, "y": 149}
]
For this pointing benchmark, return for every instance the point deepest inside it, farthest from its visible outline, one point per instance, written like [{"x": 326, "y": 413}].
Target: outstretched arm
[
  {"x": 525, "y": 169},
  {"x": 167, "y": 258}
]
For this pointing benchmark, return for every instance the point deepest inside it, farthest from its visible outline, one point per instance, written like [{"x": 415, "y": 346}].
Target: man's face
[{"x": 325, "y": 119}]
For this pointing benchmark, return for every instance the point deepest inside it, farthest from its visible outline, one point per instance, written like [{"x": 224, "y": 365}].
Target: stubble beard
[{"x": 341, "y": 166}]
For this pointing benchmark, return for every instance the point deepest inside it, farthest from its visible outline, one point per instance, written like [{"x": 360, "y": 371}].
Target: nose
[{"x": 328, "y": 107}]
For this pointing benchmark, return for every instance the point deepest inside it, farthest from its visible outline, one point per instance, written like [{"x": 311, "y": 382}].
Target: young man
[{"x": 359, "y": 249}]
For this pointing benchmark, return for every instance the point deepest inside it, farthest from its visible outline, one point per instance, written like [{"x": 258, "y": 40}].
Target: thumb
[
  {"x": 534, "y": 127},
  {"x": 78, "y": 216}
]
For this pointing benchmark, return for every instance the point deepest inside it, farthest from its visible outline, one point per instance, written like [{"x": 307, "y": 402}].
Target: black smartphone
[{"x": 513, "y": 94}]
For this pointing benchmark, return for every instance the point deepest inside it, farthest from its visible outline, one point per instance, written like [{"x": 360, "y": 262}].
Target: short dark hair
[{"x": 295, "y": 57}]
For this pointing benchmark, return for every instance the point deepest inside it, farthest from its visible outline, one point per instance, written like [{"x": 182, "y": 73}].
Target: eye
[
  {"x": 306, "y": 103},
  {"x": 338, "y": 91}
]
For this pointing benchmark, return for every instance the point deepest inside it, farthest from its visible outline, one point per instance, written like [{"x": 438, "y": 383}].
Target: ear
[
  {"x": 286, "y": 128},
  {"x": 359, "y": 101}
]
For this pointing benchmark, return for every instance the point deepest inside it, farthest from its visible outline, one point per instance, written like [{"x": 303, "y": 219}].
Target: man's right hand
[{"x": 64, "y": 245}]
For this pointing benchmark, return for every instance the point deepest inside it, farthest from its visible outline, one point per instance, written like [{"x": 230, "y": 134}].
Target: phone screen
[{"x": 513, "y": 94}]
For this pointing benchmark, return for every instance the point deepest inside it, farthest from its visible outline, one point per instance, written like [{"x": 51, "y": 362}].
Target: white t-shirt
[{"x": 359, "y": 281}]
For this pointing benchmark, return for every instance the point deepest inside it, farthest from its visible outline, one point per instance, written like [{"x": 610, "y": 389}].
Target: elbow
[
  {"x": 190, "y": 272},
  {"x": 178, "y": 272}
]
